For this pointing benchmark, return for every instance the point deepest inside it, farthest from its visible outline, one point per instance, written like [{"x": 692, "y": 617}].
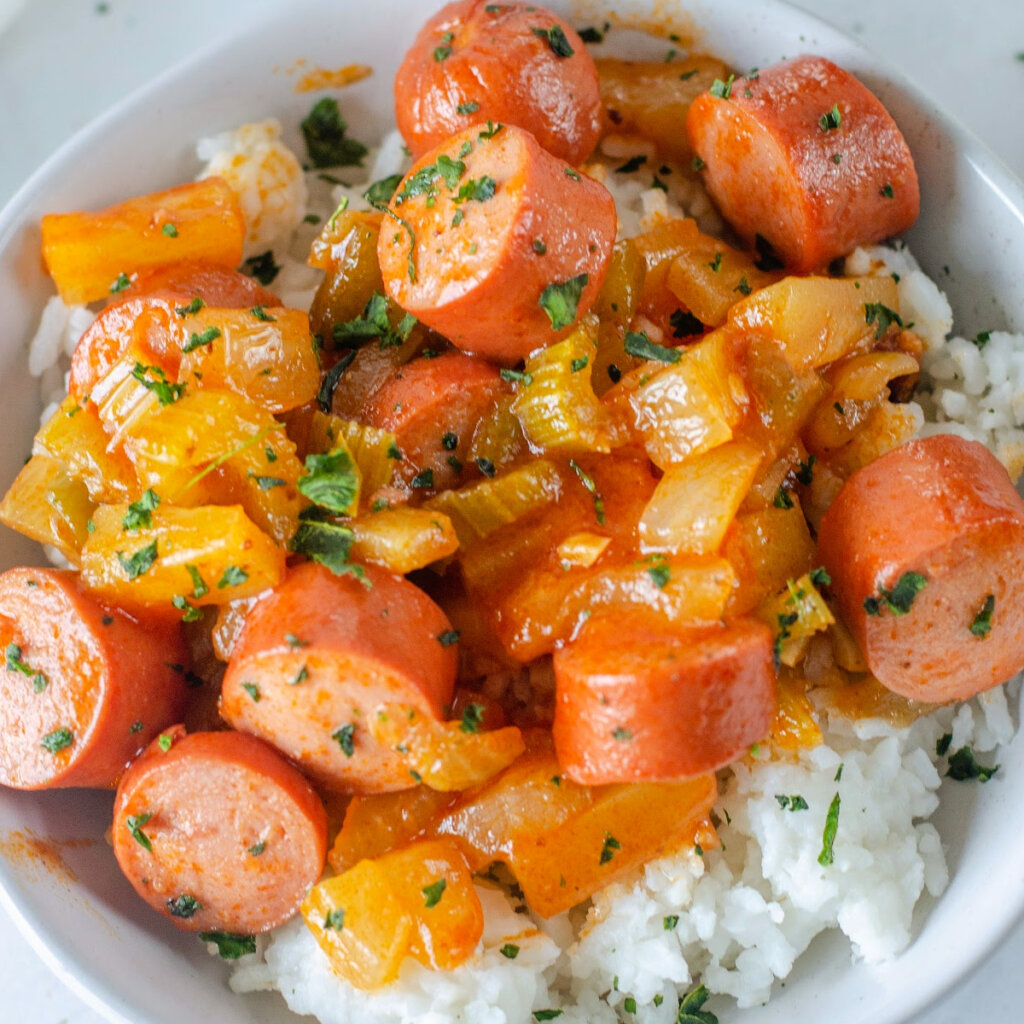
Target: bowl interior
[{"x": 57, "y": 875}]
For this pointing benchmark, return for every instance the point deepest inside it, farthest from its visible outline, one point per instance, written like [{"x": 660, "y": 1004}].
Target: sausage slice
[
  {"x": 925, "y": 547},
  {"x": 640, "y": 701},
  {"x": 217, "y": 832},
  {"x": 806, "y": 157},
  {"x": 495, "y": 243},
  {"x": 321, "y": 653},
  {"x": 84, "y": 686}
]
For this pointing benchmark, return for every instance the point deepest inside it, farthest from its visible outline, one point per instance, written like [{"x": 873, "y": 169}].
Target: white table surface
[{"x": 64, "y": 61}]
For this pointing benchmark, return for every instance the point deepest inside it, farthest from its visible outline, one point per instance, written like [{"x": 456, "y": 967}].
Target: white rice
[{"x": 736, "y": 918}]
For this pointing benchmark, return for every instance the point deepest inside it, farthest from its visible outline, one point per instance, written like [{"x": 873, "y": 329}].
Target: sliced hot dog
[
  {"x": 321, "y": 653},
  {"x": 925, "y": 547},
  {"x": 173, "y": 287},
  {"x": 497, "y": 244},
  {"x": 217, "y": 832},
  {"x": 807, "y": 157},
  {"x": 508, "y": 63},
  {"x": 641, "y": 701},
  {"x": 84, "y": 686},
  {"x": 433, "y": 406}
]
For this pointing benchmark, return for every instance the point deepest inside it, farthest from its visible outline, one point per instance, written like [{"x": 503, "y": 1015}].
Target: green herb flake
[
  {"x": 886, "y": 191},
  {"x": 472, "y": 718},
  {"x": 782, "y": 499},
  {"x": 510, "y": 951},
  {"x": 253, "y": 690},
  {"x": 380, "y": 192},
  {"x": 542, "y": 1015},
  {"x": 257, "y": 849},
  {"x": 684, "y": 325},
  {"x": 831, "y": 120},
  {"x": 331, "y": 481},
  {"x": 898, "y": 600},
  {"x": 344, "y": 736},
  {"x": 690, "y": 1008},
  {"x": 660, "y": 572},
  {"x": 294, "y": 642},
  {"x": 375, "y": 322},
  {"x": 477, "y": 190},
  {"x": 140, "y": 513},
  {"x": 608, "y": 848},
  {"x": 121, "y": 282},
  {"x": 942, "y": 746},
  {"x": 325, "y": 542},
  {"x": 486, "y": 466},
  {"x": 13, "y": 662},
  {"x": 881, "y": 316},
  {"x": 230, "y": 945},
  {"x": 448, "y": 637},
  {"x": 424, "y": 181},
  {"x": 469, "y": 107},
  {"x": 828, "y": 835},
  {"x": 621, "y": 734},
  {"x": 556, "y": 39},
  {"x": 233, "y": 577},
  {"x": 164, "y": 741},
  {"x": 191, "y": 309},
  {"x": 743, "y": 287},
  {"x": 300, "y": 677},
  {"x": 432, "y": 893},
  {"x": 491, "y": 130},
  {"x": 136, "y": 726},
  {"x": 326, "y": 142},
  {"x": 335, "y": 920},
  {"x": 638, "y": 344},
  {"x": 579, "y": 364},
  {"x": 722, "y": 90},
  {"x": 669, "y": 922},
  {"x": 262, "y": 267},
  {"x": 170, "y": 230},
  {"x": 820, "y": 577},
  {"x": 57, "y": 740},
  {"x": 190, "y": 613},
  {"x": 963, "y": 766},
  {"x": 140, "y": 562},
  {"x": 588, "y": 483},
  {"x": 152, "y": 378},
  {"x": 805, "y": 471},
  {"x": 560, "y": 300},
  {"x": 184, "y": 906},
  {"x": 424, "y": 480},
  {"x": 982, "y": 624},
  {"x": 697, "y": 164},
  {"x": 792, "y": 803},
  {"x": 134, "y": 823},
  {"x": 260, "y": 313}
]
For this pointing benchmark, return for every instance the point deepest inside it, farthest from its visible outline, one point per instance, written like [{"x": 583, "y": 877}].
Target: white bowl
[{"x": 84, "y": 918}]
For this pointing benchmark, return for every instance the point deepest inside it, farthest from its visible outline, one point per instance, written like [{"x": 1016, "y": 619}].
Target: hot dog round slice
[
  {"x": 433, "y": 406},
  {"x": 497, "y": 244},
  {"x": 640, "y": 701},
  {"x": 217, "y": 832},
  {"x": 84, "y": 686},
  {"x": 508, "y": 63},
  {"x": 807, "y": 158},
  {"x": 925, "y": 547},
  {"x": 320, "y": 654}
]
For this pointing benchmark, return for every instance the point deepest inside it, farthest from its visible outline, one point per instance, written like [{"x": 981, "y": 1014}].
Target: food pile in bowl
[{"x": 552, "y": 599}]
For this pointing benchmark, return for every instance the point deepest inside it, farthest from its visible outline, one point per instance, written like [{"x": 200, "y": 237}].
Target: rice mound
[{"x": 734, "y": 918}]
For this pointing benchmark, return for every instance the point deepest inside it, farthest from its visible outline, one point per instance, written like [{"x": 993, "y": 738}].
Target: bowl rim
[{"x": 59, "y": 955}]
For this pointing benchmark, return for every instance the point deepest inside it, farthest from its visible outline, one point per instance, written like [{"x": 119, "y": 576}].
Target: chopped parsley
[
  {"x": 782, "y": 499},
  {"x": 881, "y": 316},
  {"x": 621, "y": 734},
  {"x": 300, "y": 677},
  {"x": 684, "y": 324},
  {"x": 140, "y": 513},
  {"x": 184, "y": 906},
  {"x": 557, "y": 40},
  {"x": 477, "y": 190},
  {"x": 448, "y": 637},
  {"x": 423, "y": 181},
  {"x": 164, "y": 742},
  {"x": 963, "y": 766},
  {"x": 335, "y": 920},
  {"x": 900, "y": 598},
  {"x": 660, "y": 572},
  {"x": 828, "y": 836},
  {"x": 331, "y": 480},
  {"x": 121, "y": 282},
  {"x": 257, "y": 849},
  {"x": 253, "y": 690},
  {"x": 886, "y": 191},
  {"x": 191, "y": 309},
  {"x": 942, "y": 746},
  {"x": 638, "y": 344},
  {"x": 588, "y": 482},
  {"x": 542, "y": 1015},
  {"x": 233, "y": 576},
  {"x": 152, "y": 378},
  {"x": 669, "y": 922},
  {"x": 716, "y": 263},
  {"x": 260, "y": 313},
  {"x": 190, "y": 613},
  {"x": 982, "y": 624},
  {"x": 344, "y": 736},
  {"x": 324, "y": 132},
  {"x": 831, "y": 120},
  {"x": 230, "y": 946},
  {"x": 432, "y": 893},
  {"x": 469, "y": 107},
  {"x": 266, "y": 483},
  {"x": 510, "y": 951},
  {"x": 170, "y": 230},
  {"x": 743, "y": 287},
  {"x": 423, "y": 480},
  {"x": 981, "y": 339},
  {"x": 560, "y": 300},
  {"x": 13, "y": 663},
  {"x": 199, "y": 587},
  {"x": 820, "y": 577},
  {"x": 631, "y": 165},
  {"x": 579, "y": 364},
  {"x": 472, "y": 718},
  {"x": 375, "y": 322},
  {"x": 722, "y": 90},
  {"x": 805, "y": 471},
  {"x": 325, "y": 542},
  {"x": 539, "y": 246},
  {"x": 140, "y": 562},
  {"x": 792, "y": 803},
  {"x": 608, "y": 848},
  {"x": 57, "y": 740},
  {"x": 134, "y": 823},
  {"x": 262, "y": 267},
  {"x": 486, "y": 466},
  {"x": 380, "y": 192},
  {"x": 690, "y": 1011}
]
